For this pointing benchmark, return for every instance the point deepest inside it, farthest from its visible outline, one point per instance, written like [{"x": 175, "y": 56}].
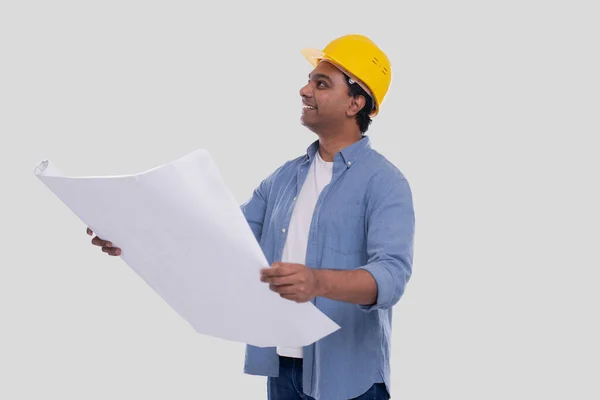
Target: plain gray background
[{"x": 491, "y": 116}]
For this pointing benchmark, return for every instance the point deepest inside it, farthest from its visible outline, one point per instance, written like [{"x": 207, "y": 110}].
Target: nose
[{"x": 305, "y": 90}]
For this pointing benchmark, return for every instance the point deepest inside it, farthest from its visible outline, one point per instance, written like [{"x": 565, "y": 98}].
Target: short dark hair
[{"x": 363, "y": 118}]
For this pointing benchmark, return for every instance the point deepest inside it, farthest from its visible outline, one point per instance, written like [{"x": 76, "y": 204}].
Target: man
[{"x": 336, "y": 225}]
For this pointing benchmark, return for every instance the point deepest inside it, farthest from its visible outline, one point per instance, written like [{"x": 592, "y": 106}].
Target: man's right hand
[{"x": 107, "y": 246}]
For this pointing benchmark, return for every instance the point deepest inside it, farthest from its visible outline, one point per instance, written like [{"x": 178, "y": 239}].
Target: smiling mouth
[{"x": 308, "y": 108}]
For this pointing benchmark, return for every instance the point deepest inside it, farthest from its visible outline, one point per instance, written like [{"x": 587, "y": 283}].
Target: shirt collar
[{"x": 348, "y": 155}]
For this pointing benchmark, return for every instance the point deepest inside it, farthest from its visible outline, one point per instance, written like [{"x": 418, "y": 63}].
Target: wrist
[{"x": 321, "y": 284}]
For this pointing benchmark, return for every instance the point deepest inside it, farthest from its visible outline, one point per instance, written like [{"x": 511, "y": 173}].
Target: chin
[
  {"x": 306, "y": 121},
  {"x": 307, "y": 125},
  {"x": 303, "y": 122}
]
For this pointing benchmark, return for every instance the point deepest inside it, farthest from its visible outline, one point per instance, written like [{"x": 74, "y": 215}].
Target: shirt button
[
  {"x": 349, "y": 163},
  {"x": 294, "y": 199},
  {"x": 283, "y": 230}
]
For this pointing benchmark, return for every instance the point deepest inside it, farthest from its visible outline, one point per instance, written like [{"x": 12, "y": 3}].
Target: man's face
[{"x": 325, "y": 98}]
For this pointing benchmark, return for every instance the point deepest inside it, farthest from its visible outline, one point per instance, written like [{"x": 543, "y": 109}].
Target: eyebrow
[{"x": 320, "y": 76}]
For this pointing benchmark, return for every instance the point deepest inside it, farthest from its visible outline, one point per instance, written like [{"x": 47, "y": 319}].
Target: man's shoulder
[
  {"x": 384, "y": 171},
  {"x": 286, "y": 168},
  {"x": 386, "y": 181},
  {"x": 291, "y": 164}
]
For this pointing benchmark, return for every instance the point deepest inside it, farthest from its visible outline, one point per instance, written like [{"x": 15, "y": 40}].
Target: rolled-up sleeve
[{"x": 390, "y": 243}]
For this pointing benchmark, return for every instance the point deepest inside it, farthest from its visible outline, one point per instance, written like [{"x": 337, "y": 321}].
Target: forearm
[{"x": 354, "y": 286}]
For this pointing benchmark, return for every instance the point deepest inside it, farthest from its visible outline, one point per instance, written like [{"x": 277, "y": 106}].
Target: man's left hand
[{"x": 295, "y": 282}]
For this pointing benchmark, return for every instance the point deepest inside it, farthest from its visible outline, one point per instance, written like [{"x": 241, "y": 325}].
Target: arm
[
  {"x": 254, "y": 209},
  {"x": 390, "y": 240},
  {"x": 377, "y": 285},
  {"x": 381, "y": 282},
  {"x": 357, "y": 286}
]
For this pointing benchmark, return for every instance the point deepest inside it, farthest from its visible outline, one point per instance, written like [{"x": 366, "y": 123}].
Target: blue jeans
[{"x": 288, "y": 386}]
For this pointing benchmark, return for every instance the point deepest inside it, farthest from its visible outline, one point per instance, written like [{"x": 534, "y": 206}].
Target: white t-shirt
[{"x": 294, "y": 250}]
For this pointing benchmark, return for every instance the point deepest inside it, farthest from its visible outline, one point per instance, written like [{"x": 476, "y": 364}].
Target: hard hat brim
[{"x": 314, "y": 56}]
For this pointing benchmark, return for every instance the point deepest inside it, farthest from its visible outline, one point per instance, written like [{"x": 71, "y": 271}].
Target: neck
[{"x": 329, "y": 146}]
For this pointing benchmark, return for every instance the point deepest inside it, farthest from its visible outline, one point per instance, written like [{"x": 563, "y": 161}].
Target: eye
[{"x": 321, "y": 84}]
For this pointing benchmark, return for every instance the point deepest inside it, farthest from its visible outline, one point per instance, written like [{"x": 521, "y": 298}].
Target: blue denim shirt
[{"x": 364, "y": 218}]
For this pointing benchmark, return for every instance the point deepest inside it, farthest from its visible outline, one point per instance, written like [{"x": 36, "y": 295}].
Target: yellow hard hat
[{"x": 358, "y": 56}]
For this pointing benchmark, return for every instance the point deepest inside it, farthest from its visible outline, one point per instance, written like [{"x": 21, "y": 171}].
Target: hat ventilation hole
[{"x": 381, "y": 67}]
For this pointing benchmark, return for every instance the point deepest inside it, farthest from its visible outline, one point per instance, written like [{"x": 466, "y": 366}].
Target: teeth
[{"x": 308, "y": 107}]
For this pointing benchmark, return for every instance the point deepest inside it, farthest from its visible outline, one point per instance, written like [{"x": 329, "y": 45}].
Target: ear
[{"x": 356, "y": 103}]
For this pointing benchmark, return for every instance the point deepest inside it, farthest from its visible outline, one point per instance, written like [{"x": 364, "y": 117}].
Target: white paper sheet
[{"x": 181, "y": 230}]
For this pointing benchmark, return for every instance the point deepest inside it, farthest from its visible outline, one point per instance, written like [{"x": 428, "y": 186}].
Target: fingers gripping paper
[{"x": 181, "y": 230}]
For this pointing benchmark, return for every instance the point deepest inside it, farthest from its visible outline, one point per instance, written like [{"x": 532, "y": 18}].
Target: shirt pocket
[{"x": 344, "y": 231}]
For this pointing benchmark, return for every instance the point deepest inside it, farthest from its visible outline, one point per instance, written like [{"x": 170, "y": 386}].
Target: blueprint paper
[{"x": 181, "y": 230}]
